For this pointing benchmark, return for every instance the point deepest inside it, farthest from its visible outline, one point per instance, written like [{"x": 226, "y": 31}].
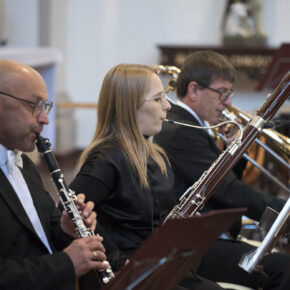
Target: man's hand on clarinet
[
  {"x": 86, "y": 254},
  {"x": 90, "y": 217}
]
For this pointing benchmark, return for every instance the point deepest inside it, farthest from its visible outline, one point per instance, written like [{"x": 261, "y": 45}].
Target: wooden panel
[
  {"x": 253, "y": 60},
  {"x": 278, "y": 67}
]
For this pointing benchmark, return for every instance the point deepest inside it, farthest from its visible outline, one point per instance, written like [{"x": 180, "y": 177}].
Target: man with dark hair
[{"x": 204, "y": 89}]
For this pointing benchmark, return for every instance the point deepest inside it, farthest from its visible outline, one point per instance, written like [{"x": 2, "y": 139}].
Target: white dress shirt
[{"x": 10, "y": 161}]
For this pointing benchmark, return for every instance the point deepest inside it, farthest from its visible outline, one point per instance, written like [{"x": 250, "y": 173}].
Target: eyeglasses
[
  {"x": 159, "y": 98},
  {"x": 223, "y": 94},
  {"x": 36, "y": 107}
]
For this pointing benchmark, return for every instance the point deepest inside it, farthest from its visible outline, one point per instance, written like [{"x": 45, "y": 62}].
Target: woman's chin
[{"x": 157, "y": 131}]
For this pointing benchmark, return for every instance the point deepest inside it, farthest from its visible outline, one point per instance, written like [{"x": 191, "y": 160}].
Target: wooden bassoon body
[{"x": 196, "y": 196}]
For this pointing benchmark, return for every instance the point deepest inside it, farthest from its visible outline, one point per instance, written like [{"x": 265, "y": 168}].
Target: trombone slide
[{"x": 250, "y": 260}]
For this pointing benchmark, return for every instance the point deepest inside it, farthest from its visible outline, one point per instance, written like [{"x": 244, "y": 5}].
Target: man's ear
[{"x": 192, "y": 90}]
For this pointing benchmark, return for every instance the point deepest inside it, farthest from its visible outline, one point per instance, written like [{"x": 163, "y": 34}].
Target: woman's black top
[{"x": 126, "y": 211}]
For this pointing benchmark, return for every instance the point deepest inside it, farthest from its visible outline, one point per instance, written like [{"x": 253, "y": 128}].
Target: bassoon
[{"x": 196, "y": 196}]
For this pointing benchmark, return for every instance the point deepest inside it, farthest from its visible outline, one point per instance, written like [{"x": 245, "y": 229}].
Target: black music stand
[{"x": 172, "y": 250}]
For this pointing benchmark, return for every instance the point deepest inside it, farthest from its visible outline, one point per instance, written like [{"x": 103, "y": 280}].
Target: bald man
[{"x": 38, "y": 246}]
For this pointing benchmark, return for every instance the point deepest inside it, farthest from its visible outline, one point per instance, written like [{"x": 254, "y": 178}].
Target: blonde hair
[{"x": 121, "y": 95}]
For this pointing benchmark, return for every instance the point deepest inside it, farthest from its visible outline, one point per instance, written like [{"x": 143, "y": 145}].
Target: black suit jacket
[
  {"x": 192, "y": 151},
  {"x": 24, "y": 261}
]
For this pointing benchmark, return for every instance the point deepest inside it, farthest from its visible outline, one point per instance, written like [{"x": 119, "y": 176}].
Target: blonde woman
[{"x": 127, "y": 176}]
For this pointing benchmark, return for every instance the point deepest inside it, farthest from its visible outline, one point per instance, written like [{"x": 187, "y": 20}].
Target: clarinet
[
  {"x": 68, "y": 200},
  {"x": 196, "y": 196}
]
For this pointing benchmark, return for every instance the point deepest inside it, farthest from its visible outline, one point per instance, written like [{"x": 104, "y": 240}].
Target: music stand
[{"x": 172, "y": 250}]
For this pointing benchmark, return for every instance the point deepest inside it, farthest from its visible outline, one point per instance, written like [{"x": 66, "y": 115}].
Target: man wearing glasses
[
  {"x": 38, "y": 247},
  {"x": 204, "y": 90}
]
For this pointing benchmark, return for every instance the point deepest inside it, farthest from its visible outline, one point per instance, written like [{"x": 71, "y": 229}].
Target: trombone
[
  {"x": 277, "y": 140},
  {"x": 281, "y": 142},
  {"x": 171, "y": 70}
]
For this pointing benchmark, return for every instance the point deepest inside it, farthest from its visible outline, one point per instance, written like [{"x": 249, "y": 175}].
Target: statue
[
  {"x": 243, "y": 21},
  {"x": 236, "y": 23}
]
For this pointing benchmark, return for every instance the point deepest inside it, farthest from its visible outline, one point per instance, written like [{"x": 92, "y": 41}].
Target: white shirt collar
[
  {"x": 3, "y": 155},
  {"x": 7, "y": 155}
]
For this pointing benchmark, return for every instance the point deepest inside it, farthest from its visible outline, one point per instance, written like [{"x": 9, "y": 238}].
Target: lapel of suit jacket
[
  {"x": 185, "y": 115},
  {"x": 182, "y": 113},
  {"x": 38, "y": 195},
  {"x": 10, "y": 197}
]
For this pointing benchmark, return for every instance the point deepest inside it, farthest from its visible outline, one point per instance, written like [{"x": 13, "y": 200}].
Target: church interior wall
[{"x": 93, "y": 36}]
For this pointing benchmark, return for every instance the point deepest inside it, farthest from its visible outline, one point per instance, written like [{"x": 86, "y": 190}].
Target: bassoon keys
[{"x": 196, "y": 196}]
